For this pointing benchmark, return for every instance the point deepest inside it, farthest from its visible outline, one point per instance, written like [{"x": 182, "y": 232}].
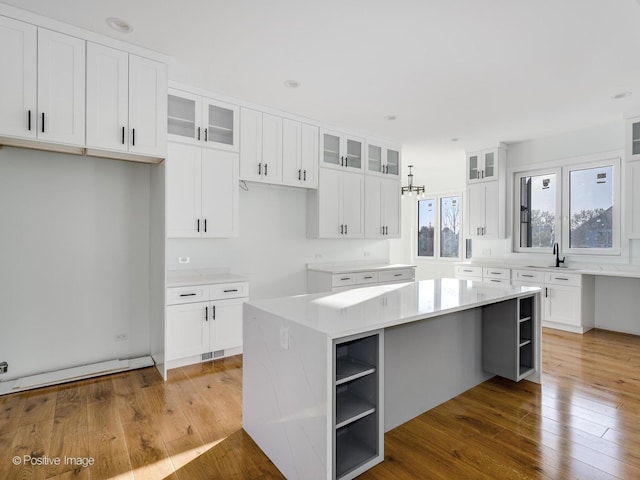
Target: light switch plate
[{"x": 284, "y": 337}]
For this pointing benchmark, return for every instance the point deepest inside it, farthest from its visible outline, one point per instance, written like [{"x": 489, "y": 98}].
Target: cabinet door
[
  {"x": 183, "y": 185},
  {"x": 291, "y": 152},
  {"x": 474, "y": 167},
  {"x": 187, "y": 330},
  {"x": 226, "y": 325},
  {"x": 352, "y": 196},
  {"x": 18, "y": 57},
  {"x": 219, "y": 193},
  {"x": 373, "y": 215},
  {"x": 374, "y": 159},
  {"x": 632, "y": 139},
  {"x": 184, "y": 115},
  {"x": 329, "y": 213},
  {"x": 271, "y": 148},
  {"x": 354, "y": 153},
  {"x": 489, "y": 165},
  {"x": 107, "y": 97},
  {"x": 331, "y": 156},
  {"x": 561, "y": 305},
  {"x": 491, "y": 209},
  {"x": 250, "y": 144},
  {"x": 61, "y": 88},
  {"x": 147, "y": 106},
  {"x": 309, "y": 155},
  {"x": 390, "y": 208},
  {"x": 475, "y": 209},
  {"x": 392, "y": 166},
  {"x": 220, "y": 122},
  {"x": 632, "y": 192}
]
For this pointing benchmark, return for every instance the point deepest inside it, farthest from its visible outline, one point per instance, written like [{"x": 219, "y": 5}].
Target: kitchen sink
[{"x": 549, "y": 266}]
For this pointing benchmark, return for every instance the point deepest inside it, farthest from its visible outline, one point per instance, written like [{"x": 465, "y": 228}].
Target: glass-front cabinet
[
  {"x": 383, "y": 160},
  {"x": 482, "y": 166},
  {"x": 202, "y": 121},
  {"x": 341, "y": 151}
]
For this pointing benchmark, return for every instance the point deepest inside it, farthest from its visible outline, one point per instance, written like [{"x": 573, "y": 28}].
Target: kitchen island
[{"x": 325, "y": 375}]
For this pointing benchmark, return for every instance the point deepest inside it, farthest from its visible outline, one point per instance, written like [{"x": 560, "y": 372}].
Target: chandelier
[{"x": 410, "y": 187}]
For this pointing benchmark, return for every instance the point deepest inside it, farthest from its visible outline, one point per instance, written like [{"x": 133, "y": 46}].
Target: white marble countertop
[
  {"x": 184, "y": 278},
  {"x": 354, "y": 267},
  {"x": 340, "y": 314},
  {"x": 611, "y": 270}
]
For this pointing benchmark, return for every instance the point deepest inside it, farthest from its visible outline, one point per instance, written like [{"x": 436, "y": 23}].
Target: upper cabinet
[
  {"x": 260, "y": 146},
  {"x": 299, "y": 154},
  {"x": 633, "y": 139},
  {"x": 203, "y": 121},
  {"x": 485, "y": 165},
  {"x": 341, "y": 151},
  {"x": 126, "y": 106},
  {"x": 383, "y": 160},
  {"x": 382, "y": 207},
  {"x": 42, "y": 86}
]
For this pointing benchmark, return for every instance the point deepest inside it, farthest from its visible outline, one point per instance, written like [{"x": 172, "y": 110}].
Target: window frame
[{"x": 437, "y": 197}]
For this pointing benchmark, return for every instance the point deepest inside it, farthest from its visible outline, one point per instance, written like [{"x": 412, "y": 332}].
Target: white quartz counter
[
  {"x": 355, "y": 267},
  {"x": 184, "y": 278},
  {"x": 339, "y": 314},
  {"x": 609, "y": 270}
]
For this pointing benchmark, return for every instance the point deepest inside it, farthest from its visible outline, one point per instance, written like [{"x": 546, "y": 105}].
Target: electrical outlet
[
  {"x": 486, "y": 252},
  {"x": 366, "y": 254},
  {"x": 121, "y": 337},
  {"x": 318, "y": 256},
  {"x": 184, "y": 259},
  {"x": 4, "y": 366},
  {"x": 284, "y": 337}
]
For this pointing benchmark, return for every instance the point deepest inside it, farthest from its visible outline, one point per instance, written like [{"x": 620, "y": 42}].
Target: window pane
[
  {"x": 538, "y": 211},
  {"x": 426, "y": 227},
  {"x": 450, "y": 227},
  {"x": 591, "y": 208}
]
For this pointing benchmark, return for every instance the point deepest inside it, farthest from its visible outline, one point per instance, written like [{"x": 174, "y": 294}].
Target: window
[
  {"x": 440, "y": 214},
  {"x": 576, "y": 206}
]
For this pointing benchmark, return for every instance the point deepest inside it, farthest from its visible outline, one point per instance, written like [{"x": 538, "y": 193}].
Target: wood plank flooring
[{"x": 581, "y": 423}]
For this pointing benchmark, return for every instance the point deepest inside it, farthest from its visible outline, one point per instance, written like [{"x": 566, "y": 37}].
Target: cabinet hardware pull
[
  {"x": 546, "y": 292},
  {"x": 265, "y": 169},
  {"x": 341, "y": 229},
  {"x": 528, "y": 276},
  {"x": 477, "y": 230},
  {"x": 482, "y": 174},
  {"x": 368, "y": 278},
  {"x": 205, "y": 134},
  {"x": 346, "y": 161},
  {"x": 299, "y": 174},
  {"x": 205, "y": 225},
  {"x": 213, "y": 314},
  {"x": 561, "y": 278},
  {"x": 382, "y": 229},
  {"x": 29, "y": 120},
  {"x": 304, "y": 175},
  {"x": 467, "y": 271},
  {"x": 494, "y": 280},
  {"x": 397, "y": 275},
  {"x": 123, "y": 135},
  {"x": 206, "y": 314},
  {"x": 133, "y": 137},
  {"x": 198, "y": 225},
  {"x": 345, "y": 278},
  {"x": 345, "y": 228},
  {"x": 42, "y": 122},
  {"x": 188, "y": 294},
  {"x": 231, "y": 290},
  {"x": 259, "y": 169},
  {"x": 198, "y": 133}
]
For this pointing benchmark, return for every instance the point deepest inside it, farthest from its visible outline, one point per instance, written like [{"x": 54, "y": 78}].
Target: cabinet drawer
[
  {"x": 196, "y": 293},
  {"x": 468, "y": 271},
  {"x": 343, "y": 280},
  {"x": 505, "y": 281},
  {"x": 503, "y": 273},
  {"x": 528, "y": 276},
  {"x": 228, "y": 290},
  {"x": 365, "y": 278},
  {"x": 403, "y": 275},
  {"x": 563, "y": 278}
]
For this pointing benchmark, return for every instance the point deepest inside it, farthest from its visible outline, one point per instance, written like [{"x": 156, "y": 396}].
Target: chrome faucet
[{"x": 556, "y": 252}]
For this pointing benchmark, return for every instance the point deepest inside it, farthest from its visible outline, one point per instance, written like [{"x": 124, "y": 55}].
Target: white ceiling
[{"x": 482, "y": 71}]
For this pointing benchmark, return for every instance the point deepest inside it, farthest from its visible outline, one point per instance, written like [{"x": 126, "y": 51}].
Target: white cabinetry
[
  {"x": 383, "y": 160},
  {"x": 299, "y": 154},
  {"x": 202, "y": 192},
  {"x": 486, "y": 217},
  {"x": 336, "y": 209},
  {"x": 43, "y": 84},
  {"x": 203, "y": 121},
  {"x": 485, "y": 165},
  {"x": 260, "y": 146},
  {"x": 328, "y": 279},
  {"x": 382, "y": 207},
  {"x": 632, "y": 179},
  {"x": 204, "y": 320},
  {"x": 126, "y": 102},
  {"x": 341, "y": 151}
]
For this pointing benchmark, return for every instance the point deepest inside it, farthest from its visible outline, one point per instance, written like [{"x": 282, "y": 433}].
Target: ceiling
[{"x": 481, "y": 71}]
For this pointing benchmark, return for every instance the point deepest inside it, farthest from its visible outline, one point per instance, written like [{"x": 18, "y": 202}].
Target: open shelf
[
  {"x": 350, "y": 407},
  {"x": 349, "y": 368},
  {"x": 356, "y": 444}
]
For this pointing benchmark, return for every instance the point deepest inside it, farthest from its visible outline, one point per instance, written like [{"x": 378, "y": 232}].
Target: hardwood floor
[{"x": 582, "y": 423}]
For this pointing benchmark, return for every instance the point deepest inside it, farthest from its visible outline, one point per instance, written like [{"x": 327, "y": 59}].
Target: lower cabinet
[
  {"x": 357, "y": 407},
  {"x": 204, "y": 322}
]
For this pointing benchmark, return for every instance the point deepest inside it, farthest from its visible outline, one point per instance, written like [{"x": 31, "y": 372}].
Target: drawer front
[
  {"x": 228, "y": 290},
  {"x": 403, "y": 275},
  {"x": 574, "y": 279},
  {"x": 468, "y": 271},
  {"x": 365, "y": 278},
  {"x": 504, "y": 281},
  {"x": 502, "y": 273},
  {"x": 196, "y": 293},
  {"x": 529, "y": 276},
  {"x": 343, "y": 280}
]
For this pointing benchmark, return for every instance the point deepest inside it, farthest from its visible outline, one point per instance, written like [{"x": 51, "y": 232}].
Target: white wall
[
  {"x": 74, "y": 260},
  {"x": 272, "y": 249},
  {"x": 441, "y": 171}
]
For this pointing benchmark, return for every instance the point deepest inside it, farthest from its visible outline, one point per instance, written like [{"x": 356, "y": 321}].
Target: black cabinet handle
[
  {"x": 397, "y": 274},
  {"x": 368, "y": 278},
  {"x": 123, "y": 135},
  {"x": 133, "y": 137},
  {"x": 205, "y": 134},
  {"x": 42, "y": 122},
  {"x": 198, "y": 136},
  {"x": 206, "y": 314},
  {"x": 528, "y": 276},
  {"x": 341, "y": 229},
  {"x": 546, "y": 292},
  {"x": 188, "y": 294},
  {"x": 265, "y": 169},
  {"x": 231, "y": 290},
  {"x": 345, "y": 228},
  {"x": 345, "y": 278},
  {"x": 346, "y": 161},
  {"x": 304, "y": 177},
  {"x": 299, "y": 174},
  {"x": 382, "y": 228},
  {"x": 205, "y": 225},
  {"x": 259, "y": 169},
  {"x": 213, "y": 315},
  {"x": 198, "y": 225},
  {"x": 29, "y": 120}
]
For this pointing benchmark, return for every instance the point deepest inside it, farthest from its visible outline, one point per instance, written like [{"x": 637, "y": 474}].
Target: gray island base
[{"x": 325, "y": 375}]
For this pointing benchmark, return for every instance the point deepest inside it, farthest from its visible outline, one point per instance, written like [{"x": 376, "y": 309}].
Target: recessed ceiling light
[
  {"x": 390, "y": 117},
  {"x": 621, "y": 95},
  {"x": 119, "y": 25},
  {"x": 291, "y": 83},
  {"x": 455, "y": 139}
]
